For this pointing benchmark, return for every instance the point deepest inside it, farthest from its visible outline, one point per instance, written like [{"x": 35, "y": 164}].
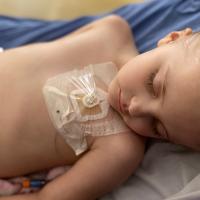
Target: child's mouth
[{"x": 120, "y": 103}]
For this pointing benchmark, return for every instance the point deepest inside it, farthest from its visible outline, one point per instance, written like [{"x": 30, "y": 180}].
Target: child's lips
[
  {"x": 113, "y": 98},
  {"x": 120, "y": 103},
  {"x": 116, "y": 99}
]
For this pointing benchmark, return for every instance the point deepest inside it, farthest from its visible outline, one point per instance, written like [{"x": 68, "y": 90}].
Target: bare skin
[
  {"x": 163, "y": 105},
  {"x": 30, "y": 143}
]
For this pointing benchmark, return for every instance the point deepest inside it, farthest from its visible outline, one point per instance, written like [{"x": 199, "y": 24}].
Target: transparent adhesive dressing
[{"x": 78, "y": 106}]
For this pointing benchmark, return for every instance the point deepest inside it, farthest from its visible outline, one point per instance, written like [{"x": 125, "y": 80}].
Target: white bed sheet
[{"x": 168, "y": 172}]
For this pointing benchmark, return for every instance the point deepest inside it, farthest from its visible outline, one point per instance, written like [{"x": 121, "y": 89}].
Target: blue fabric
[{"x": 149, "y": 21}]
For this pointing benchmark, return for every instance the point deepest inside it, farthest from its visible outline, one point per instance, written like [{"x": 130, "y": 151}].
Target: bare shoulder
[
  {"x": 113, "y": 25},
  {"x": 124, "y": 143},
  {"x": 108, "y": 38},
  {"x": 119, "y": 34},
  {"x": 116, "y": 26},
  {"x": 124, "y": 149}
]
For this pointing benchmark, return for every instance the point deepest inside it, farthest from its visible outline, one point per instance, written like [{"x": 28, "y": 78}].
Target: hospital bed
[{"x": 168, "y": 171}]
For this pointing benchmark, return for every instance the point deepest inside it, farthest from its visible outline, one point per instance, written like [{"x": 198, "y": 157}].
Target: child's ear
[{"x": 174, "y": 36}]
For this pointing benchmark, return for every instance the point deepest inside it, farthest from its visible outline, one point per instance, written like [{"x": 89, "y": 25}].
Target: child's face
[{"x": 158, "y": 95}]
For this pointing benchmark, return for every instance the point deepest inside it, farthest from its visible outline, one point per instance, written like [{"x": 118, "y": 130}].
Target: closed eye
[{"x": 149, "y": 83}]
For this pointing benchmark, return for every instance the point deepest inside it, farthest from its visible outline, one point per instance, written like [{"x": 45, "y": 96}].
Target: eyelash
[
  {"x": 150, "y": 83},
  {"x": 152, "y": 91}
]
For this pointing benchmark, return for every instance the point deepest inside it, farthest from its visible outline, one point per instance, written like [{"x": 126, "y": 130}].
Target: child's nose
[{"x": 135, "y": 108}]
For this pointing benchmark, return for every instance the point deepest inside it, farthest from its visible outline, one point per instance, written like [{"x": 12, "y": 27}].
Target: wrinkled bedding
[{"x": 168, "y": 171}]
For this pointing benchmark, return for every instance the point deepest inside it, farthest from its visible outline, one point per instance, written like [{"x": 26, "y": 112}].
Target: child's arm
[{"x": 109, "y": 162}]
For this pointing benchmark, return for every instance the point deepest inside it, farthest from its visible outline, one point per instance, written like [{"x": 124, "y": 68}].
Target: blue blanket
[{"x": 149, "y": 22}]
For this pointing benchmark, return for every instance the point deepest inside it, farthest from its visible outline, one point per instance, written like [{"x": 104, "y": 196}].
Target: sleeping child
[
  {"x": 55, "y": 112},
  {"x": 55, "y": 109}
]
